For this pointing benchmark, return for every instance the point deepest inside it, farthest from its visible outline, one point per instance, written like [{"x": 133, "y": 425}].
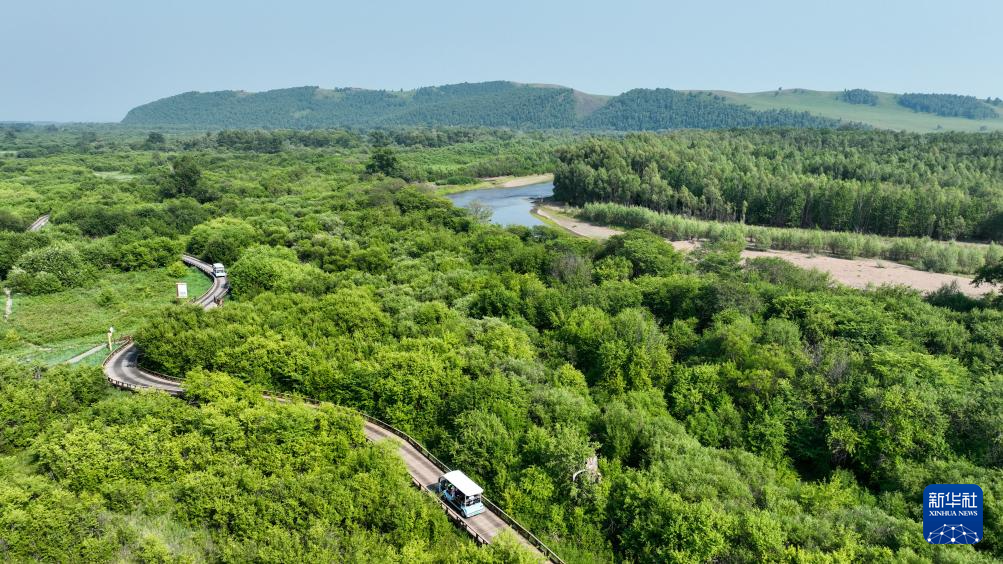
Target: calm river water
[{"x": 509, "y": 206}]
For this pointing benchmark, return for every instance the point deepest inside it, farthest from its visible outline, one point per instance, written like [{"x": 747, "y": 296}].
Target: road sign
[{"x": 182, "y": 290}]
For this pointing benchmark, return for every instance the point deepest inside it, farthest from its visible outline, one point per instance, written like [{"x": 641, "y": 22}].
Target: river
[{"x": 509, "y": 206}]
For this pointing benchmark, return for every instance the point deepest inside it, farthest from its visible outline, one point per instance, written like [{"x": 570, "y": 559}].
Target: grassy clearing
[
  {"x": 887, "y": 114},
  {"x": 53, "y": 328},
  {"x": 155, "y": 527},
  {"x": 114, "y": 175}
]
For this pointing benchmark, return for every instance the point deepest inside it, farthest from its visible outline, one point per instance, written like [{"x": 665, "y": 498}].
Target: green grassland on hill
[{"x": 887, "y": 114}]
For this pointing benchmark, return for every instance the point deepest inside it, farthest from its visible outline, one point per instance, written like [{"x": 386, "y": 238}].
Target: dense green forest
[
  {"x": 740, "y": 412},
  {"x": 859, "y": 96},
  {"x": 662, "y": 108},
  {"x": 88, "y": 474},
  {"x": 494, "y": 104},
  {"x": 491, "y": 104},
  {"x": 944, "y": 186},
  {"x": 948, "y": 105},
  {"x": 425, "y": 154}
]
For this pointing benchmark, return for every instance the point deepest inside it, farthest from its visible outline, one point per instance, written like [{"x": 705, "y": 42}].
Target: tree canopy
[
  {"x": 948, "y": 105},
  {"x": 625, "y": 401}
]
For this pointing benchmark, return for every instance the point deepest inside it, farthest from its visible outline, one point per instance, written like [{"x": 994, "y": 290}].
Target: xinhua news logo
[{"x": 952, "y": 514}]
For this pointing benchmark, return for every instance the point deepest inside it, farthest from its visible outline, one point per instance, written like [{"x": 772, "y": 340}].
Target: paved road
[
  {"x": 121, "y": 367},
  {"x": 122, "y": 370},
  {"x": 487, "y": 525},
  {"x": 35, "y": 226},
  {"x": 39, "y": 223}
]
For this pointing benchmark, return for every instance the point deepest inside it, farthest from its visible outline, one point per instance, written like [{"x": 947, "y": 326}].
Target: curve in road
[{"x": 122, "y": 370}]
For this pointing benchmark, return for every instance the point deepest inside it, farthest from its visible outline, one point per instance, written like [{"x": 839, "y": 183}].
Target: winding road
[
  {"x": 121, "y": 368},
  {"x": 39, "y": 223}
]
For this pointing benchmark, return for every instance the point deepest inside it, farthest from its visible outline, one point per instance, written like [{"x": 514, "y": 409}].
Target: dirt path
[
  {"x": 856, "y": 273},
  {"x": 576, "y": 226},
  {"x": 86, "y": 354}
]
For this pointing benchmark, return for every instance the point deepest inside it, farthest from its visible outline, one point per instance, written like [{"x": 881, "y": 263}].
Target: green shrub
[
  {"x": 177, "y": 269},
  {"x": 33, "y": 283},
  {"x": 457, "y": 181},
  {"x": 150, "y": 253},
  {"x": 60, "y": 260},
  {"x": 222, "y": 240},
  {"x": 106, "y": 297},
  {"x": 762, "y": 241}
]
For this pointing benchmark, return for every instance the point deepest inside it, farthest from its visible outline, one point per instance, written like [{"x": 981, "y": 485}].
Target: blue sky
[{"x": 92, "y": 61}]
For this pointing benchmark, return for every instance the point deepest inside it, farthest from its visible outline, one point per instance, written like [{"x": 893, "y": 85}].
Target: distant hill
[
  {"x": 494, "y": 104},
  {"x": 541, "y": 106},
  {"x": 490, "y": 104},
  {"x": 889, "y": 111},
  {"x": 640, "y": 110}
]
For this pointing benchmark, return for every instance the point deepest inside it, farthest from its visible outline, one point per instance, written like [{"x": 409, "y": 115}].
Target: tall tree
[{"x": 384, "y": 161}]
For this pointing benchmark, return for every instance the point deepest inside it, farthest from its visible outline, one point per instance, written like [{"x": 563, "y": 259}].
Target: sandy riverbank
[
  {"x": 856, "y": 273},
  {"x": 517, "y": 181},
  {"x": 494, "y": 182}
]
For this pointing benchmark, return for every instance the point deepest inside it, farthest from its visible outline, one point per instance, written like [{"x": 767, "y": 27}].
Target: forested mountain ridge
[
  {"x": 662, "y": 108},
  {"x": 544, "y": 106},
  {"x": 489, "y": 104},
  {"x": 495, "y": 104}
]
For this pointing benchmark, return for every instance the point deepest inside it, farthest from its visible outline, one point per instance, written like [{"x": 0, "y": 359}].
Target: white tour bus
[{"x": 461, "y": 492}]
